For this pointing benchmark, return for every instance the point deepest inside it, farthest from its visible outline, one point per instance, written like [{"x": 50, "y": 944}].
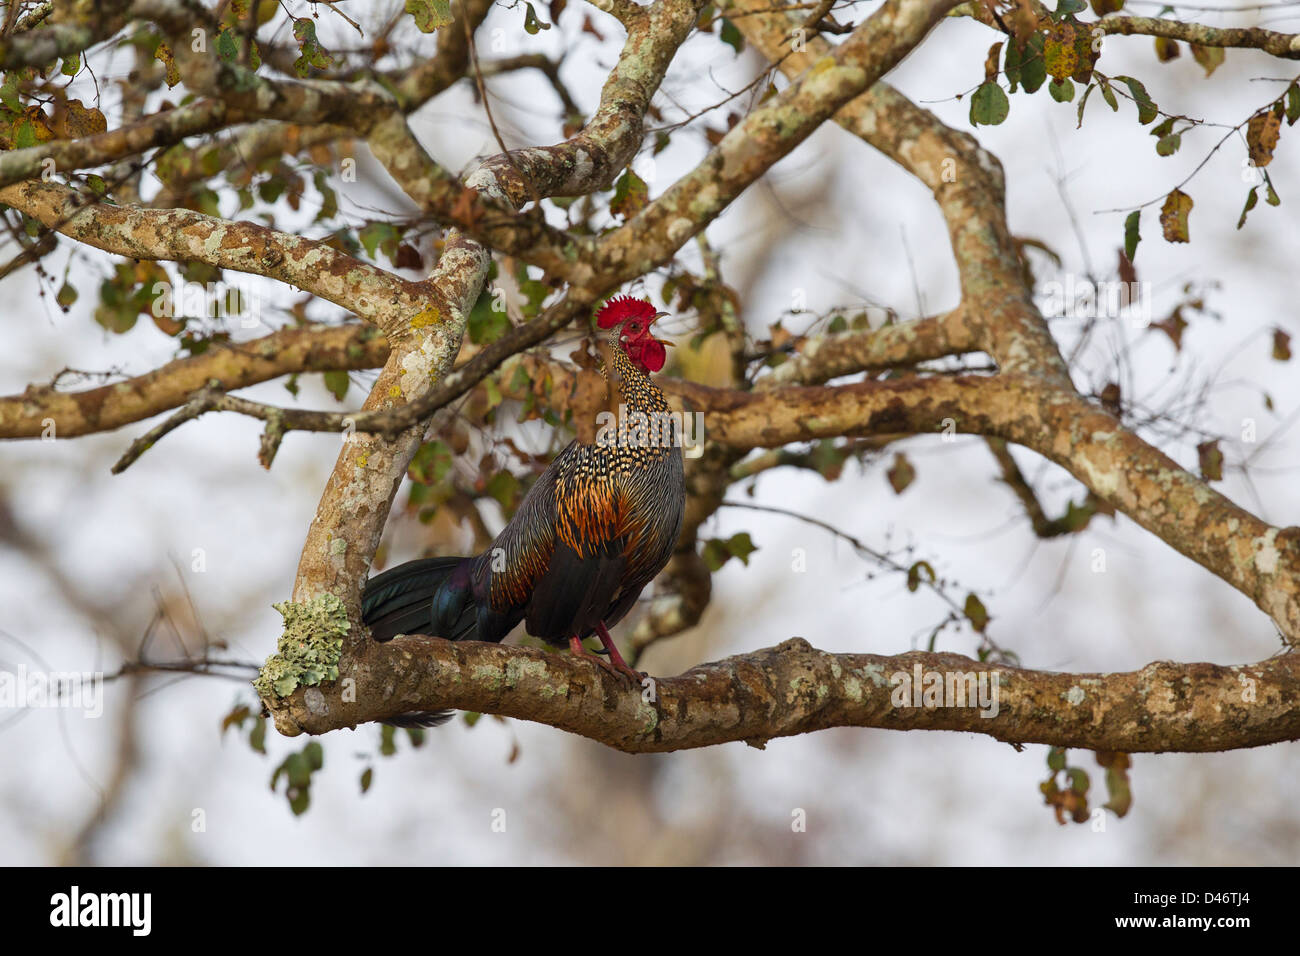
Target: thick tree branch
[
  {"x": 180, "y": 235},
  {"x": 793, "y": 689},
  {"x": 235, "y": 366},
  {"x": 1284, "y": 45},
  {"x": 824, "y": 357}
]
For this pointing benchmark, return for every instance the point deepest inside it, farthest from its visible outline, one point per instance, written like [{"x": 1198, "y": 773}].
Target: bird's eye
[{"x": 632, "y": 327}]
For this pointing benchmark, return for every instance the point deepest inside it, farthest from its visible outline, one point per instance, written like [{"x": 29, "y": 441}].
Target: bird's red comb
[{"x": 623, "y": 307}]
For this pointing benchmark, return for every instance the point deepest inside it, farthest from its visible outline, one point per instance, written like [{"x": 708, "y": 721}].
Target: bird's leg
[
  {"x": 618, "y": 667},
  {"x": 616, "y": 659}
]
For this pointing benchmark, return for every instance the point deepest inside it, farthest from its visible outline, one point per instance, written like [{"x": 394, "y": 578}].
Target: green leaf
[
  {"x": 976, "y": 613},
  {"x": 1109, "y": 96},
  {"x": 1066, "y": 7},
  {"x": 71, "y": 65},
  {"x": 1146, "y": 106},
  {"x": 731, "y": 35},
  {"x": 66, "y": 295},
  {"x": 914, "y": 575},
  {"x": 504, "y": 487},
  {"x": 1121, "y": 794},
  {"x": 257, "y": 736},
  {"x": 1055, "y": 759},
  {"x": 532, "y": 25},
  {"x": 312, "y": 54},
  {"x": 1078, "y": 780},
  {"x": 429, "y": 14},
  {"x": 989, "y": 105},
  {"x": 1033, "y": 68},
  {"x": 1131, "y": 235},
  {"x": 1011, "y": 63},
  {"x": 1062, "y": 90},
  {"x": 380, "y": 235},
  {"x": 1252, "y": 198},
  {"x": 1083, "y": 100},
  {"x": 336, "y": 380},
  {"x": 485, "y": 325},
  {"x": 1292, "y": 104},
  {"x": 119, "y": 318},
  {"x": 227, "y": 48},
  {"x": 1271, "y": 197},
  {"x": 367, "y": 778},
  {"x": 329, "y": 206},
  {"x": 1168, "y": 145},
  {"x": 9, "y": 93},
  {"x": 431, "y": 462},
  {"x": 741, "y": 546},
  {"x": 630, "y": 195},
  {"x": 715, "y": 554},
  {"x": 314, "y": 755}
]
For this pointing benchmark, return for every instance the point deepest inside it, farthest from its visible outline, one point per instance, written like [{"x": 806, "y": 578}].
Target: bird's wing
[{"x": 522, "y": 552}]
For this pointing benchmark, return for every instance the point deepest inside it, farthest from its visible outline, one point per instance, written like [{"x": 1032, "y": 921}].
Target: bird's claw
[{"x": 617, "y": 668}]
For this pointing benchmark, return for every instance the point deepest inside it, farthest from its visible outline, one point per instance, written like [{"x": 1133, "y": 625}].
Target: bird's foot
[
  {"x": 615, "y": 665},
  {"x": 615, "y": 657}
]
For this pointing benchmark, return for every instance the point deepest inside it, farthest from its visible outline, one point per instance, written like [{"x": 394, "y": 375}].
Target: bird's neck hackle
[{"x": 635, "y": 388}]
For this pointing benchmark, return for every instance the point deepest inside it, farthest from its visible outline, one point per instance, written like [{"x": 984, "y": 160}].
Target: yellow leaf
[{"x": 1173, "y": 216}]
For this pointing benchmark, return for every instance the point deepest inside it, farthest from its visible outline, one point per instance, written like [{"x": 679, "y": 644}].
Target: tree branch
[
  {"x": 793, "y": 689},
  {"x": 183, "y": 236},
  {"x": 313, "y": 348}
]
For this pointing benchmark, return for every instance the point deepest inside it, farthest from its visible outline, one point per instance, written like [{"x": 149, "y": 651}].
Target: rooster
[{"x": 591, "y": 533}]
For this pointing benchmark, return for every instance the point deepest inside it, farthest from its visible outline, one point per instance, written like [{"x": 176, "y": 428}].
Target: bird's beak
[{"x": 664, "y": 342}]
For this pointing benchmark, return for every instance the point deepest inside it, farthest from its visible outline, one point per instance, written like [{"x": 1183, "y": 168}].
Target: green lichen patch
[{"x": 309, "y": 648}]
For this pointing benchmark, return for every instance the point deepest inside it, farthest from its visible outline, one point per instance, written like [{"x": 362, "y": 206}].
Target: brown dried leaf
[
  {"x": 73, "y": 120},
  {"x": 1261, "y": 136},
  {"x": 991, "y": 61},
  {"x": 1173, "y": 327},
  {"x": 900, "y": 474},
  {"x": 1281, "y": 346},
  {"x": 1210, "y": 457}
]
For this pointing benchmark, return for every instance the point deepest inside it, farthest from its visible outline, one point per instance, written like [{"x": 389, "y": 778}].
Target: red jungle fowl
[{"x": 591, "y": 533}]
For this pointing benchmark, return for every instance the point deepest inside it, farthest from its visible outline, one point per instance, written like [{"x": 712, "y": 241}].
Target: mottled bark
[{"x": 793, "y": 689}]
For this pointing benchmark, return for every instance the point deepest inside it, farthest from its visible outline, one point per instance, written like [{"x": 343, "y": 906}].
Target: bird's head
[{"x": 626, "y": 321}]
